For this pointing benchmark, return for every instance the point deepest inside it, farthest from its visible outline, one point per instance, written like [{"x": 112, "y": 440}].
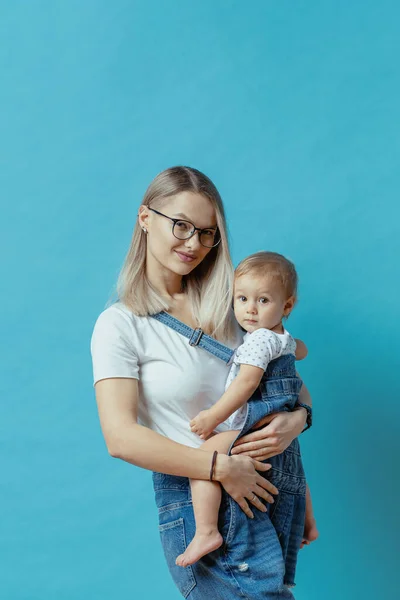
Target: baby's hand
[{"x": 204, "y": 424}]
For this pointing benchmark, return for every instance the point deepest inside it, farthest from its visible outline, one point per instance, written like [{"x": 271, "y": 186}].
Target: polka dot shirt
[{"x": 259, "y": 348}]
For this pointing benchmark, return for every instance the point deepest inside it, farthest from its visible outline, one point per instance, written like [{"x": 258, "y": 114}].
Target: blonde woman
[{"x": 151, "y": 381}]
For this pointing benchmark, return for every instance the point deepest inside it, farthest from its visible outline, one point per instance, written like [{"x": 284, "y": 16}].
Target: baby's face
[{"x": 259, "y": 301}]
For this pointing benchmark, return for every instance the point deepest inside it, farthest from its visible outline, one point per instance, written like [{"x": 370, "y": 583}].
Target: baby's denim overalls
[{"x": 258, "y": 557}]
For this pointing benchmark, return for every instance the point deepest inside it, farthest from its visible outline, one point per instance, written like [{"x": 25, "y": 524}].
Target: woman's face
[{"x": 178, "y": 256}]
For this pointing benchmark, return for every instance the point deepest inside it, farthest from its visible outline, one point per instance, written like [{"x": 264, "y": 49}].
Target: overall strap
[{"x": 196, "y": 337}]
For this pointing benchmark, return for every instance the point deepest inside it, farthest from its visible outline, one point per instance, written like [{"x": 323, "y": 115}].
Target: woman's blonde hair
[
  {"x": 209, "y": 285},
  {"x": 274, "y": 265}
]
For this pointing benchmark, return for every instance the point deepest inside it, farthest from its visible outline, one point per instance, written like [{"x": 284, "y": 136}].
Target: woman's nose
[{"x": 193, "y": 242}]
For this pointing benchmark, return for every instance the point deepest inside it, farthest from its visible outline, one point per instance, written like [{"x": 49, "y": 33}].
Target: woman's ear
[{"x": 143, "y": 217}]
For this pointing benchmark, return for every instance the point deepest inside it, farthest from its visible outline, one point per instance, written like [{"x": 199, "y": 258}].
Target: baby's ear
[{"x": 289, "y": 306}]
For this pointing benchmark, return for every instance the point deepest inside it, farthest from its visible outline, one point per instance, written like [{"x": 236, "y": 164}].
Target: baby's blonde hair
[{"x": 274, "y": 265}]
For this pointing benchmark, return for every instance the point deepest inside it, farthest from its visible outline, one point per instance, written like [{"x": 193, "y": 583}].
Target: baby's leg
[{"x": 206, "y": 497}]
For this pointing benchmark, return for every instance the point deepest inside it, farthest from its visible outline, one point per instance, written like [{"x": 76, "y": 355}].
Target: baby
[{"x": 265, "y": 290}]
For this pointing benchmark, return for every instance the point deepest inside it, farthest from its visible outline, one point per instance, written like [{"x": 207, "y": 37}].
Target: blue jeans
[{"x": 250, "y": 563}]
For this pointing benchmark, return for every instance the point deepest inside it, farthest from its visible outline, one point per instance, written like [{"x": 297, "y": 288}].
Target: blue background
[{"x": 292, "y": 108}]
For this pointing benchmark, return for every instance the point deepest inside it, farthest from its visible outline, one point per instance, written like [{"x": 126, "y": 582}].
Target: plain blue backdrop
[{"x": 292, "y": 108}]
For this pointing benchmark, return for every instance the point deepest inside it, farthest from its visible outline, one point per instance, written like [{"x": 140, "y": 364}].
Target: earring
[{"x": 144, "y": 229}]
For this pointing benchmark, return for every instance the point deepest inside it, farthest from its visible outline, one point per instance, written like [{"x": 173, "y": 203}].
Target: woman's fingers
[
  {"x": 255, "y": 435},
  {"x": 260, "y": 466},
  {"x": 245, "y": 508},
  {"x": 264, "y": 456},
  {"x": 258, "y": 454},
  {"x": 257, "y": 503},
  {"x": 245, "y": 484},
  {"x": 253, "y": 445},
  {"x": 259, "y": 491},
  {"x": 254, "y": 497},
  {"x": 267, "y": 485},
  {"x": 261, "y": 481}
]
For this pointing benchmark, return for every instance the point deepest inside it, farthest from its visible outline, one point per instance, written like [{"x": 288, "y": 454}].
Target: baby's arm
[
  {"x": 237, "y": 394},
  {"x": 301, "y": 350}
]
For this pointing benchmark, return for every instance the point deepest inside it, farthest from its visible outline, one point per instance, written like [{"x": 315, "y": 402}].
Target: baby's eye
[
  {"x": 242, "y": 298},
  {"x": 264, "y": 300}
]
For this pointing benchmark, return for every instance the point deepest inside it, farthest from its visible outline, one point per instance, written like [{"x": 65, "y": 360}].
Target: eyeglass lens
[{"x": 184, "y": 230}]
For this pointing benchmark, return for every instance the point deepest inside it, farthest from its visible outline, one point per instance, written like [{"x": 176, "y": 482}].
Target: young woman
[{"x": 150, "y": 383}]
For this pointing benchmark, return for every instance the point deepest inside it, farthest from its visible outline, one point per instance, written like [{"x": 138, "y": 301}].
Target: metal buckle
[{"x": 197, "y": 335}]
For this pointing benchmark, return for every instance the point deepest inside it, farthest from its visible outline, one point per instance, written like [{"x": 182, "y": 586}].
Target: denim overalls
[{"x": 258, "y": 557}]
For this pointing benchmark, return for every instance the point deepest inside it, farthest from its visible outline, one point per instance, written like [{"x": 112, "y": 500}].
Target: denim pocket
[
  {"x": 282, "y": 513},
  {"x": 272, "y": 507},
  {"x": 173, "y": 540}
]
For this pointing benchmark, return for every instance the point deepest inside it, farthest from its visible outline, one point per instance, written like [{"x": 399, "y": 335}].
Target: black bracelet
[
  {"x": 309, "y": 414},
  {"x": 214, "y": 460}
]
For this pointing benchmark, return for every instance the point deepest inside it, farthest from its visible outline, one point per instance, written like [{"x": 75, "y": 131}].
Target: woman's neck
[
  {"x": 167, "y": 283},
  {"x": 170, "y": 286}
]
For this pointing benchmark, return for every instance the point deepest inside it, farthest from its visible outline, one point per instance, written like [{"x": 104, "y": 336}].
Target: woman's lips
[{"x": 185, "y": 257}]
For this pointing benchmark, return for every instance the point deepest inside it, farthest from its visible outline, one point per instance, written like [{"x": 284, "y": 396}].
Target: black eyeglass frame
[{"x": 175, "y": 221}]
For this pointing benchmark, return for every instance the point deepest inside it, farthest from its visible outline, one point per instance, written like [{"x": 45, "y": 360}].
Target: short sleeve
[
  {"x": 259, "y": 349},
  {"x": 291, "y": 346},
  {"x": 113, "y": 354}
]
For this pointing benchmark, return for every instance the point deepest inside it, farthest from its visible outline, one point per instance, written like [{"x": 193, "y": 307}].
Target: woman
[{"x": 150, "y": 383}]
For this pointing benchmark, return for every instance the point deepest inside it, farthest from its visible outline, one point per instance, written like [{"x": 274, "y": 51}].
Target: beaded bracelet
[{"x": 214, "y": 460}]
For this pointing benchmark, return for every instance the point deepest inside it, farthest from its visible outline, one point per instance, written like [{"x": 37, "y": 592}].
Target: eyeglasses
[{"x": 184, "y": 230}]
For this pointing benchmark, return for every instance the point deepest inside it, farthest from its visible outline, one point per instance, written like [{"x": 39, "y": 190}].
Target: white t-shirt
[
  {"x": 258, "y": 349},
  {"x": 176, "y": 381}
]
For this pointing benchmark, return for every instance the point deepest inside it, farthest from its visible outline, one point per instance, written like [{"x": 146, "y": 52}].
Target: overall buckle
[{"x": 196, "y": 337}]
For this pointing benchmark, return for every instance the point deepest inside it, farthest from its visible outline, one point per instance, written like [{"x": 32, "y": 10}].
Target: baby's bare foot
[{"x": 200, "y": 545}]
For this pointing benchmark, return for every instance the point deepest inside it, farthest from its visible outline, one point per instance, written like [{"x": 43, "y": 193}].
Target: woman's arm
[
  {"x": 279, "y": 432},
  {"x": 126, "y": 439},
  {"x": 117, "y": 401}
]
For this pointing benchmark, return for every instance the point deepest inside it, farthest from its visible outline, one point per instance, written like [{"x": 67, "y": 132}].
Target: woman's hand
[
  {"x": 281, "y": 429},
  {"x": 238, "y": 475}
]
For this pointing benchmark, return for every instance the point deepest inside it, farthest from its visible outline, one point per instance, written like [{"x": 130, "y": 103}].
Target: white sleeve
[
  {"x": 291, "y": 346},
  {"x": 259, "y": 349},
  {"x": 113, "y": 354}
]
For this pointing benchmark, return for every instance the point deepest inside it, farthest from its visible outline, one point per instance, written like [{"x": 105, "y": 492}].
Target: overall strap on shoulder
[{"x": 196, "y": 337}]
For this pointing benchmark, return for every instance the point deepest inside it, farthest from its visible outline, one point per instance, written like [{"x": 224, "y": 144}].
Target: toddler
[{"x": 265, "y": 289}]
